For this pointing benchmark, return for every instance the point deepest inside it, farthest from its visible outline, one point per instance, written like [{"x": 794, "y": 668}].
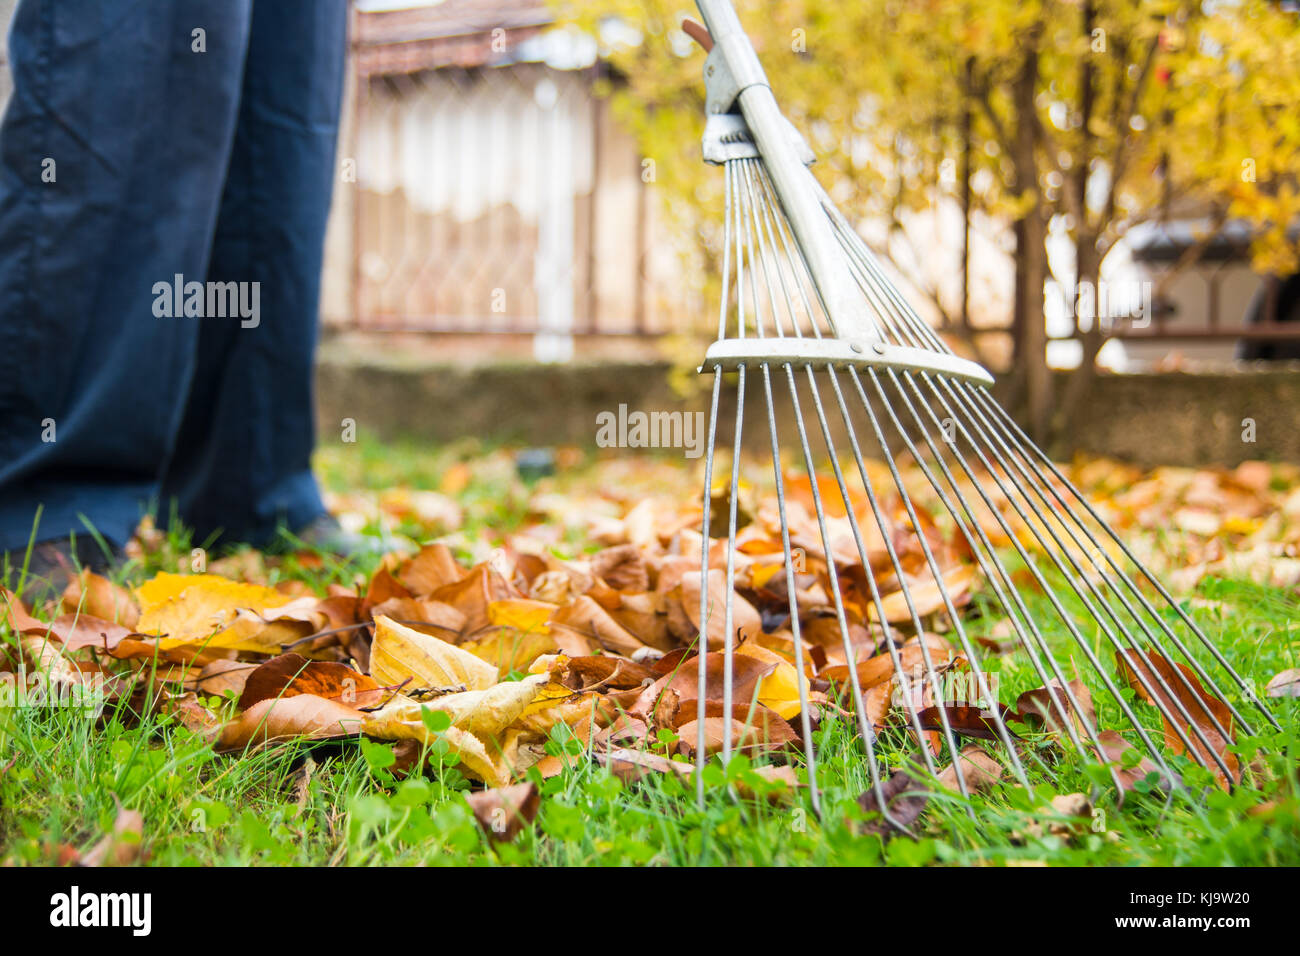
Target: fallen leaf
[
  {"x": 96, "y": 596},
  {"x": 1285, "y": 684},
  {"x": 304, "y": 716},
  {"x": 503, "y": 811},
  {"x": 1203, "y": 707},
  {"x": 121, "y": 846},
  {"x": 205, "y": 610},
  {"x": 400, "y": 656},
  {"x": 292, "y": 674}
]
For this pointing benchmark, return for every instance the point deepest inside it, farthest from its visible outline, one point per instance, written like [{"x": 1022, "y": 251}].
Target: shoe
[
  {"x": 324, "y": 534},
  {"x": 53, "y": 565}
]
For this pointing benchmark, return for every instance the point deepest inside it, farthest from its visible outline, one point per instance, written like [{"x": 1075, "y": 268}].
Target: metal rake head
[{"x": 925, "y": 507}]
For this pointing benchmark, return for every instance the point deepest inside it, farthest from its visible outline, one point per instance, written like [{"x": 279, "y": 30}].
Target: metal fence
[{"x": 497, "y": 200}]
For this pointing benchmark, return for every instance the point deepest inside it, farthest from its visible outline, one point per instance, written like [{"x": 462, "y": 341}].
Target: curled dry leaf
[
  {"x": 215, "y": 612},
  {"x": 622, "y": 567},
  {"x": 1209, "y": 714},
  {"x": 1050, "y": 707},
  {"x": 752, "y": 729},
  {"x": 633, "y": 765},
  {"x": 96, "y": 596},
  {"x": 503, "y": 811},
  {"x": 1285, "y": 684},
  {"x": 121, "y": 846},
  {"x": 292, "y": 674},
  {"x": 402, "y": 656},
  {"x": 1113, "y": 749},
  {"x": 684, "y": 613},
  {"x": 304, "y": 716},
  {"x": 481, "y": 734}
]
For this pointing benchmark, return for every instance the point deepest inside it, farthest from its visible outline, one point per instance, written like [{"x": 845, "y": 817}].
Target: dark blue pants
[{"x": 146, "y": 141}]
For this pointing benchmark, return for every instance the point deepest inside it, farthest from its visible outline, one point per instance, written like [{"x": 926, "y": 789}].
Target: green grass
[{"x": 63, "y": 775}]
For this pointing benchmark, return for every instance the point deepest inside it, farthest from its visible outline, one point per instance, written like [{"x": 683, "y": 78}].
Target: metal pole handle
[{"x": 845, "y": 305}]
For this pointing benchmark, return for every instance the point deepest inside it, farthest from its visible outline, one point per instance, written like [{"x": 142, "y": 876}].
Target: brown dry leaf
[
  {"x": 1113, "y": 748},
  {"x": 473, "y": 594},
  {"x": 187, "y": 709},
  {"x": 785, "y": 779},
  {"x": 907, "y": 795},
  {"x": 15, "y": 612},
  {"x": 216, "y": 678},
  {"x": 503, "y": 811},
  {"x": 876, "y": 669},
  {"x": 588, "y": 621},
  {"x": 1050, "y": 706},
  {"x": 1202, "y": 706},
  {"x": 746, "y": 672},
  {"x": 401, "y": 655},
  {"x": 756, "y": 730},
  {"x": 622, "y": 567},
  {"x": 1285, "y": 684},
  {"x": 927, "y": 596},
  {"x": 304, "y": 716},
  {"x": 978, "y": 768},
  {"x": 121, "y": 847},
  {"x": 215, "y": 612},
  {"x": 966, "y": 720},
  {"x": 292, "y": 674},
  {"x": 76, "y": 631},
  {"x": 96, "y": 596},
  {"x": 684, "y": 615},
  {"x": 633, "y": 765},
  {"x": 607, "y": 671}
]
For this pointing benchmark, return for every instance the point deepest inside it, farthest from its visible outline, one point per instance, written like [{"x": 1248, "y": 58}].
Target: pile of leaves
[{"x": 483, "y": 661}]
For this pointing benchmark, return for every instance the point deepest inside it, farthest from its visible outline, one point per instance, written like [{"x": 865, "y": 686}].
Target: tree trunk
[{"x": 1031, "y": 264}]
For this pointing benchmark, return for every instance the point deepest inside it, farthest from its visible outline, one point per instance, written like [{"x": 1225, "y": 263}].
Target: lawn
[{"x": 66, "y": 778}]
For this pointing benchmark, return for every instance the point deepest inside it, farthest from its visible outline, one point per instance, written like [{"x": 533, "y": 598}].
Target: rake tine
[
  {"x": 1074, "y": 632},
  {"x": 815, "y": 300},
  {"x": 702, "y": 647},
  {"x": 1055, "y": 666},
  {"x": 971, "y": 656},
  {"x": 932, "y": 676},
  {"x": 1025, "y": 445},
  {"x": 805, "y": 719},
  {"x": 1123, "y": 600}
]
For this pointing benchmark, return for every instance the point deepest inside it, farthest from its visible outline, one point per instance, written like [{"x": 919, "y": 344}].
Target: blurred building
[{"x": 493, "y": 190}]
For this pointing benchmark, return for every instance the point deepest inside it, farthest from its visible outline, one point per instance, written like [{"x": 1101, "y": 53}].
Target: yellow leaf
[
  {"x": 400, "y": 653},
  {"x": 480, "y": 736},
  {"x": 522, "y": 614},
  {"x": 779, "y": 690},
  {"x": 209, "y": 610}
]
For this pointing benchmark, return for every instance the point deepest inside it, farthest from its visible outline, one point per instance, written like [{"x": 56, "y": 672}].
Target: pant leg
[
  {"x": 242, "y": 462},
  {"x": 113, "y": 150}
]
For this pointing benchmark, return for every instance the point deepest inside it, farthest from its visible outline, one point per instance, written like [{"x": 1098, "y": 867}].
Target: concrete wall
[{"x": 1175, "y": 418}]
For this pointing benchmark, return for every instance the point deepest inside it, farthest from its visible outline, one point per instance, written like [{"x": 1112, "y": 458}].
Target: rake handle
[{"x": 846, "y": 307}]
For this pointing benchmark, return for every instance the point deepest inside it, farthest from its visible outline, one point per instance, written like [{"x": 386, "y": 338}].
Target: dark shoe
[
  {"x": 326, "y": 535},
  {"x": 53, "y": 565}
]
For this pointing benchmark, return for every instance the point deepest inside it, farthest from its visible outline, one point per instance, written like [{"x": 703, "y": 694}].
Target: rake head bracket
[
  {"x": 730, "y": 354},
  {"x": 727, "y": 137}
]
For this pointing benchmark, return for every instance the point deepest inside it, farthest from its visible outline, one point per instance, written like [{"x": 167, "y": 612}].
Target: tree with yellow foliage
[{"x": 1093, "y": 115}]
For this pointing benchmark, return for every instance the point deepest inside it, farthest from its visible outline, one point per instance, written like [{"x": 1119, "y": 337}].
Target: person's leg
[
  {"x": 113, "y": 150},
  {"x": 242, "y": 462}
]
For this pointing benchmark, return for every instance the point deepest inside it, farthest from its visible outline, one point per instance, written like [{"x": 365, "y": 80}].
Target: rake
[{"x": 806, "y": 307}]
